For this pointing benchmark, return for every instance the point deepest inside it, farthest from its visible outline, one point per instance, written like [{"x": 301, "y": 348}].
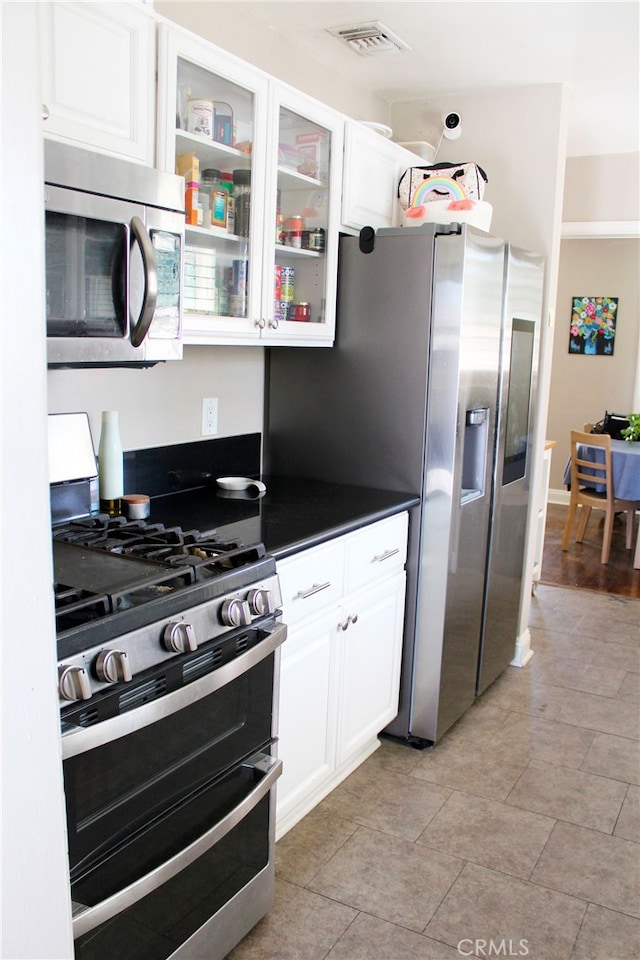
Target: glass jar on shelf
[
  {"x": 242, "y": 197},
  {"x": 211, "y": 185}
]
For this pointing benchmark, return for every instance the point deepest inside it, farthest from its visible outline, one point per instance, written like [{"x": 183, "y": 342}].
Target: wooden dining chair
[{"x": 585, "y": 475}]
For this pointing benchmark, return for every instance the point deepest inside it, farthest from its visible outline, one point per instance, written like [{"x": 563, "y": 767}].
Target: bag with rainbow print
[{"x": 441, "y": 181}]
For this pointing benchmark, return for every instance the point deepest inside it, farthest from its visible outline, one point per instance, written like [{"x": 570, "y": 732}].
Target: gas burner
[
  {"x": 114, "y": 574},
  {"x": 153, "y": 541}
]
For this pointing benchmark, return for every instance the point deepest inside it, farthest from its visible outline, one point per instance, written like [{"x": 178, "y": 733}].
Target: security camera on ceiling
[{"x": 452, "y": 126}]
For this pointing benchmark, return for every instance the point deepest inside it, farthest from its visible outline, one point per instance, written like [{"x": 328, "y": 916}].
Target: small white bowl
[{"x": 240, "y": 483}]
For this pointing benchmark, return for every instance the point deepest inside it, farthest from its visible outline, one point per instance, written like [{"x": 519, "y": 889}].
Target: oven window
[
  {"x": 85, "y": 276},
  {"x": 155, "y": 926},
  {"x": 117, "y": 789}
]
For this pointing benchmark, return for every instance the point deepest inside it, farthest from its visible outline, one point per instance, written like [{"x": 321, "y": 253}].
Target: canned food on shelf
[
  {"x": 293, "y": 231},
  {"x": 200, "y": 117},
  {"x": 282, "y": 310},
  {"x": 317, "y": 240},
  {"x": 287, "y": 284},
  {"x": 302, "y": 312}
]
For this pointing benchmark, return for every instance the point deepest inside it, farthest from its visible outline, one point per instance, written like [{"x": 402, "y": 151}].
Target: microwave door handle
[{"x": 140, "y": 328}]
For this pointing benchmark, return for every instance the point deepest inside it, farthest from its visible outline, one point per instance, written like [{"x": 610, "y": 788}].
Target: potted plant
[{"x": 632, "y": 432}]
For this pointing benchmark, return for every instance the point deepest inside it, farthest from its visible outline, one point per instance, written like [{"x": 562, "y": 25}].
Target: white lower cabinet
[
  {"x": 307, "y": 713},
  {"x": 343, "y": 603},
  {"x": 369, "y": 647}
]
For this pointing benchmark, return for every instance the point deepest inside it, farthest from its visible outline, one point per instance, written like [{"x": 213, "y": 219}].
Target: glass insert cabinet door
[
  {"x": 262, "y": 165},
  {"x": 212, "y": 129},
  {"x": 303, "y": 257}
]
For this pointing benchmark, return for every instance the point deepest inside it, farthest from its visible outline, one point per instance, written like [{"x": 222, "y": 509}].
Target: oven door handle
[
  {"x": 260, "y": 765},
  {"x": 77, "y": 740}
]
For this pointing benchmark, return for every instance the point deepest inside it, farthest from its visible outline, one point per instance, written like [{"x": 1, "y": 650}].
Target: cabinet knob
[
  {"x": 274, "y": 324},
  {"x": 261, "y": 323},
  {"x": 45, "y": 112},
  {"x": 352, "y": 618}
]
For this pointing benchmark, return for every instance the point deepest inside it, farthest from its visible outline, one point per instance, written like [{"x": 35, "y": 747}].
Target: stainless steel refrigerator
[{"x": 430, "y": 388}]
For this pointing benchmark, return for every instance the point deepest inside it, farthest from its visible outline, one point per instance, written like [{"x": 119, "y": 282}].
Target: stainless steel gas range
[{"x": 168, "y": 649}]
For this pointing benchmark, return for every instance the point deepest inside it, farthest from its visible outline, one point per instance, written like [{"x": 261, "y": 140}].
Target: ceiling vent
[{"x": 371, "y": 39}]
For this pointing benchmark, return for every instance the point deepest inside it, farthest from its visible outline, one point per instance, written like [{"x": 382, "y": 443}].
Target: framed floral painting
[{"x": 593, "y": 325}]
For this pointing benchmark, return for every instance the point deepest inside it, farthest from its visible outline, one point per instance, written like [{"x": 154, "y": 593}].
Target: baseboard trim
[
  {"x": 523, "y": 653},
  {"x": 558, "y": 496}
]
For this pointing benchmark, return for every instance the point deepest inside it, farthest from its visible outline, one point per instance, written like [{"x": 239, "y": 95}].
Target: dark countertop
[{"x": 292, "y": 515}]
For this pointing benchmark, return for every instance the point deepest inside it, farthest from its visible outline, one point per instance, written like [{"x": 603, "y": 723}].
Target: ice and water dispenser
[{"x": 474, "y": 461}]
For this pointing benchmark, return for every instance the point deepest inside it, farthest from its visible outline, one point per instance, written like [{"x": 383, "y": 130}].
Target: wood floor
[{"x": 580, "y": 566}]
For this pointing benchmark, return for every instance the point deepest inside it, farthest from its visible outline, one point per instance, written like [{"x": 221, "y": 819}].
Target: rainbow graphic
[
  {"x": 444, "y": 185},
  {"x": 315, "y": 201}
]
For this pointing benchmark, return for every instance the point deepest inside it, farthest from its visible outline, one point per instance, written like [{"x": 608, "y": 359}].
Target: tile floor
[{"x": 517, "y": 836}]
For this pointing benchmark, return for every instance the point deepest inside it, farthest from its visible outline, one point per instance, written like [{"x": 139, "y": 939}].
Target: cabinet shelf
[
  {"x": 213, "y": 235},
  {"x": 210, "y": 151},
  {"x": 290, "y": 179},
  {"x": 283, "y": 251}
]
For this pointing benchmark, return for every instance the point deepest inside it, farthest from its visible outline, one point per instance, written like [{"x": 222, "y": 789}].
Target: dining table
[{"x": 625, "y": 462}]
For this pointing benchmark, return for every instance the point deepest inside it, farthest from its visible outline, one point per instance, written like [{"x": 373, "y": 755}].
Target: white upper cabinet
[
  {"x": 372, "y": 170},
  {"x": 212, "y": 129},
  {"x": 263, "y": 170},
  {"x": 301, "y": 255},
  {"x": 98, "y": 73}
]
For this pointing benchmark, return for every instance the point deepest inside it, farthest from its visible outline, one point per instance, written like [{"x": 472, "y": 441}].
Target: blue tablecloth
[{"x": 626, "y": 467}]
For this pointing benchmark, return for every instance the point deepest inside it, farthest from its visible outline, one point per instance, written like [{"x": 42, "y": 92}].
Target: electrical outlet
[{"x": 209, "y": 416}]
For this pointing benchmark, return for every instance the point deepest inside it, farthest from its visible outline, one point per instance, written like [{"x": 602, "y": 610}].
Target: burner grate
[
  {"x": 74, "y": 605},
  {"x": 122, "y": 572}
]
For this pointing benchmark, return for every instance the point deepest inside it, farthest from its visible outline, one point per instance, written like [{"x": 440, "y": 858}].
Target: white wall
[
  {"x": 36, "y": 909},
  {"x": 605, "y": 189},
  {"x": 583, "y": 387},
  {"x": 602, "y": 192},
  {"x": 163, "y": 404},
  {"x": 274, "y": 53}
]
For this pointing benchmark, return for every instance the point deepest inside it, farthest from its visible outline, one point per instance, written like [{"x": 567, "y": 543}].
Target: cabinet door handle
[
  {"x": 385, "y": 556},
  {"x": 352, "y": 618},
  {"x": 274, "y": 324},
  {"x": 260, "y": 323},
  {"x": 315, "y": 588},
  {"x": 45, "y": 112}
]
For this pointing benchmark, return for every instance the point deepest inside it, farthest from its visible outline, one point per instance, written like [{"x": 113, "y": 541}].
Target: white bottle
[{"x": 110, "y": 464}]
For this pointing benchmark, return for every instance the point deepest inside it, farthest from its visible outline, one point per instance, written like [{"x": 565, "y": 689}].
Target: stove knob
[
  {"x": 113, "y": 666},
  {"x": 261, "y": 601},
  {"x": 179, "y": 637},
  {"x": 74, "y": 683},
  {"x": 236, "y": 613}
]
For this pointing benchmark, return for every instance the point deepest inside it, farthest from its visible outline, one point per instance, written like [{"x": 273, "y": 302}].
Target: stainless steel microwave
[{"x": 114, "y": 239}]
